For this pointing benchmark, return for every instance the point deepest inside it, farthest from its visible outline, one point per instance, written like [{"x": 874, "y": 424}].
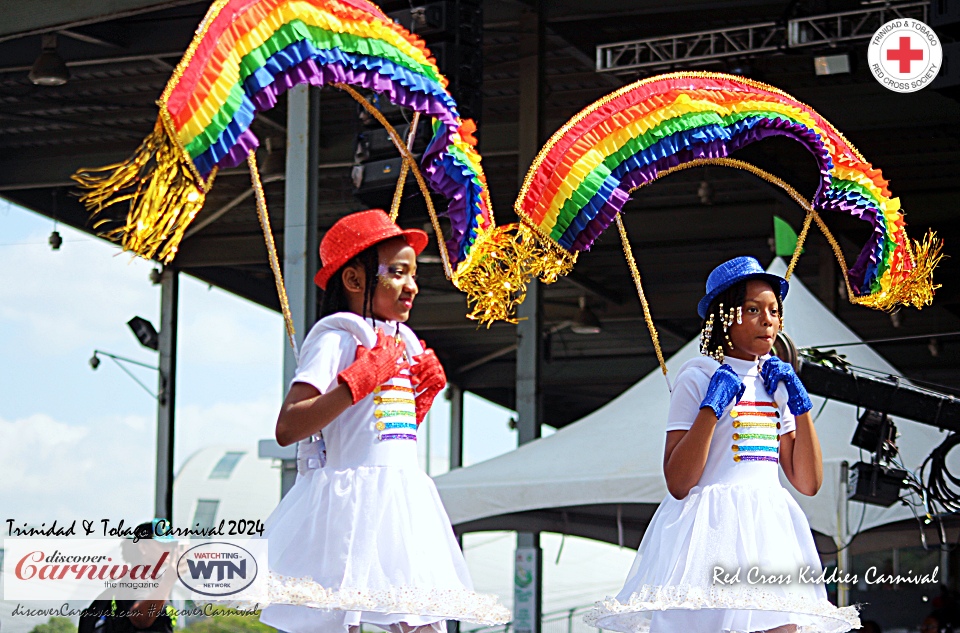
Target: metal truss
[{"x": 754, "y": 39}]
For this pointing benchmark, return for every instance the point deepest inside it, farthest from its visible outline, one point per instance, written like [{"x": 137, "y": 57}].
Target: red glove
[
  {"x": 429, "y": 379},
  {"x": 372, "y": 367}
]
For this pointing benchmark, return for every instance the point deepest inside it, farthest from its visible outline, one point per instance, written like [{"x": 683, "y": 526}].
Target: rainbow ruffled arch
[
  {"x": 247, "y": 52},
  {"x": 586, "y": 172}
]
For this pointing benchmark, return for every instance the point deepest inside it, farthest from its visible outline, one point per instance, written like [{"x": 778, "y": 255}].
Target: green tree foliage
[{"x": 55, "y": 624}]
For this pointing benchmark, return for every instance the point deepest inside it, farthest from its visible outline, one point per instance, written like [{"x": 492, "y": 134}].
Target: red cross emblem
[{"x": 904, "y": 54}]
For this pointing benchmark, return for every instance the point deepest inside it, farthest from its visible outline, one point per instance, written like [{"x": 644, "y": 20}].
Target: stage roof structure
[{"x": 121, "y": 52}]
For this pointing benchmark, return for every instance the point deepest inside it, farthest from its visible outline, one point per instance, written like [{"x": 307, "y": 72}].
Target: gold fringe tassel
[
  {"x": 163, "y": 195},
  {"x": 917, "y": 288},
  {"x": 501, "y": 264}
]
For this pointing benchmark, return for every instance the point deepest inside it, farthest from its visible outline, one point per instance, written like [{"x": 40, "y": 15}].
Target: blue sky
[{"x": 80, "y": 444}]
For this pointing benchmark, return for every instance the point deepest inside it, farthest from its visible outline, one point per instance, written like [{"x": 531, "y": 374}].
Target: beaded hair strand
[{"x": 725, "y": 309}]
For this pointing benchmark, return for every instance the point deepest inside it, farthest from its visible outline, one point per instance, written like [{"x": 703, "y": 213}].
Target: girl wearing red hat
[
  {"x": 362, "y": 536},
  {"x": 728, "y": 548}
]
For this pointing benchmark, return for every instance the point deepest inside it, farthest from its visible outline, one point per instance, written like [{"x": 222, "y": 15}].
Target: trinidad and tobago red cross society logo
[{"x": 905, "y": 55}]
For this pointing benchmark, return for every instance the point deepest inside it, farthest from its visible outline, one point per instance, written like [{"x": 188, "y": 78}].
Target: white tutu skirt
[
  {"x": 371, "y": 544},
  {"x": 674, "y": 585}
]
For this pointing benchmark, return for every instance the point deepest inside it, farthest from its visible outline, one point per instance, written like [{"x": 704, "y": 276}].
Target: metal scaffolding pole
[
  {"x": 300, "y": 252},
  {"x": 455, "y": 395},
  {"x": 166, "y": 393},
  {"x": 528, "y": 598}
]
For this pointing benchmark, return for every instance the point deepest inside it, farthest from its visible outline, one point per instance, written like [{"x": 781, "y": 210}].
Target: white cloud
[
  {"x": 219, "y": 334},
  {"x": 95, "y": 286},
  {"x": 53, "y": 470},
  {"x": 29, "y": 446}
]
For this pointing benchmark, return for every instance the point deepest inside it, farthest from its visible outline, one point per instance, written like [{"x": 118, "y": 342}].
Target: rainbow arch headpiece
[
  {"x": 244, "y": 54},
  {"x": 585, "y": 173}
]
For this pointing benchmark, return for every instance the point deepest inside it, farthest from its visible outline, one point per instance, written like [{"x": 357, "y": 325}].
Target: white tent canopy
[{"x": 601, "y": 477}]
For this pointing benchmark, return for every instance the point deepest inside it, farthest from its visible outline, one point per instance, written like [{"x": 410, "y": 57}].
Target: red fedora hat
[{"x": 353, "y": 234}]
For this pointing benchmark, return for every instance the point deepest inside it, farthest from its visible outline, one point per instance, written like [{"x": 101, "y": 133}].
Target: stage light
[
  {"x": 875, "y": 484},
  {"x": 586, "y": 321},
  {"x": 876, "y": 433},
  {"x": 832, "y": 64},
  {"x": 49, "y": 69},
  {"x": 705, "y": 193},
  {"x": 145, "y": 332}
]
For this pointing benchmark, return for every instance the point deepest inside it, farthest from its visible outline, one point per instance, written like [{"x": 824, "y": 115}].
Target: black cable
[
  {"x": 895, "y": 339},
  {"x": 940, "y": 478},
  {"x": 916, "y": 381}
]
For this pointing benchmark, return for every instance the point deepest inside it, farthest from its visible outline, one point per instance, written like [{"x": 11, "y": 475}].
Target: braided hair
[
  {"x": 335, "y": 296},
  {"x": 714, "y": 340}
]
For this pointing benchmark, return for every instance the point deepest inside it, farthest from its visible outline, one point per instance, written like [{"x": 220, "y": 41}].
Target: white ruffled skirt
[
  {"x": 685, "y": 576},
  {"x": 370, "y": 544}
]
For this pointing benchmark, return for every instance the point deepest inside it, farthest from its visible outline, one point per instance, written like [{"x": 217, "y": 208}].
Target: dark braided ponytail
[{"x": 335, "y": 296}]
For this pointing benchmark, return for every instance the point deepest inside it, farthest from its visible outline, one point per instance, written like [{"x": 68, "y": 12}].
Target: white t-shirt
[
  {"x": 744, "y": 448},
  {"x": 694, "y": 380},
  {"x": 351, "y": 439}
]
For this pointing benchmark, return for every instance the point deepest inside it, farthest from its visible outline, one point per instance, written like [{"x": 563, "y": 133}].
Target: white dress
[
  {"x": 362, "y": 536},
  {"x": 737, "y": 517}
]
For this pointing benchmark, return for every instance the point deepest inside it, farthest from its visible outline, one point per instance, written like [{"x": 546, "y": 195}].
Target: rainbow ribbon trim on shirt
[
  {"x": 586, "y": 172},
  {"x": 758, "y": 446},
  {"x": 244, "y": 54}
]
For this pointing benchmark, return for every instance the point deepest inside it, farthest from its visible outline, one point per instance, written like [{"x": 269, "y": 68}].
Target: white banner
[
  {"x": 525, "y": 587},
  {"x": 88, "y": 569}
]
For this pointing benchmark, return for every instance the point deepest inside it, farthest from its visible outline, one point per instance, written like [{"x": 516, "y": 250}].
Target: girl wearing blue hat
[{"x": 728, "y": 548}]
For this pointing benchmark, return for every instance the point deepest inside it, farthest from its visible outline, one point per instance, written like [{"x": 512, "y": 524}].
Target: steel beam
[{"x": 751, "y": 39}]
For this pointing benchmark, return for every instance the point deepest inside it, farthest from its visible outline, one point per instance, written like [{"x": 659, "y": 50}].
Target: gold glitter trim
[
  {"x": 635, "y": 272},
  {"x": 409, "y": 160},
  {"x": 404, "y": 169},
  {"x": 799, "y": 247},
  {"x": 501, "y": 263},
  {"x": 271, "y": 249},
  {"x": 162, "y": 185}
]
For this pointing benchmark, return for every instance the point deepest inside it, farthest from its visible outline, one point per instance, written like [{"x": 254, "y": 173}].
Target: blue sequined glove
[
  {"x": 725, "y": 386},
  {"x": 775, "y": 371}
]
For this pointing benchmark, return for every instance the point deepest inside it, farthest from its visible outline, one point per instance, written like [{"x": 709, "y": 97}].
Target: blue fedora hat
[{"x": 732, "y": 271}]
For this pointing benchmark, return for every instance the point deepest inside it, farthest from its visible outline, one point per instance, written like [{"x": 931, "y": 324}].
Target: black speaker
[{"x": 453, "y": 31}]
